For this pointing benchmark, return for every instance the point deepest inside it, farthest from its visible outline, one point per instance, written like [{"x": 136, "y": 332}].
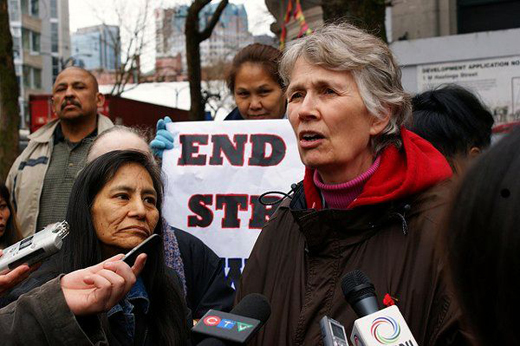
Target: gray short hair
[{"x": 344, "y": 47}]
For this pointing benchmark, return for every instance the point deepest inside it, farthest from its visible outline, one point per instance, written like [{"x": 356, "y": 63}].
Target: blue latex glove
[{"x": 163, "y": 139}]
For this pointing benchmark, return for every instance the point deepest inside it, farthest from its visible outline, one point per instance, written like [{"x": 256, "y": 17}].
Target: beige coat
[{"x": 26, "y": 177}]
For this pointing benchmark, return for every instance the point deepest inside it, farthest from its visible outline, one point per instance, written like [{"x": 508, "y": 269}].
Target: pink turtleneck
[{"x": 339, "y": 196}]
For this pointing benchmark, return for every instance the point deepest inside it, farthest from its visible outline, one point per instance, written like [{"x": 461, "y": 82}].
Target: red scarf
[{"x": 401, "y": 173}]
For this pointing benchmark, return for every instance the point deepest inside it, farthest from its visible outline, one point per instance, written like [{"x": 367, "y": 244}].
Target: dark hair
[
  {"x": 12, "y": 231},
  {"x": 256, "y": 53},
  {"x": 452, "y": 119},
  {"x": 166, "y": 316},
  {"x": 482, "y": 242}
]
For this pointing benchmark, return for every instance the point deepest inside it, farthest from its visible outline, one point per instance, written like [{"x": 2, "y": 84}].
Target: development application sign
[
  {"x": 215, "y": 175},
  {"x": 496, "y": 81}
]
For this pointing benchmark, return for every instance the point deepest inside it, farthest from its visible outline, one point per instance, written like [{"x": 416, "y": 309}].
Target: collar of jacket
[
  {"x": 46, "y": 132},
  {"x": 321, "y": 228},
  {"x": 234, "y": 115},
  {"x": 401, "y": 173},
  {"x": 136, "y": 297}
]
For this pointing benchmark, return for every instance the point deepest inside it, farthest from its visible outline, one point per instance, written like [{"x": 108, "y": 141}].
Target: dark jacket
[
  {"x": 388, "y": 232},
  {"x": 234, "y": 115},
  {"x": 205, "y": 279},
  {"x": 42, "y": 317},
  {"x": 112, "y": 331}
]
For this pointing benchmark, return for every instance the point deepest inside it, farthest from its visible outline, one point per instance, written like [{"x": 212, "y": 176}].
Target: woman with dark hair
[
  {"x": 114, "y": 205},
  {"x": 482, "y": 242},
  {"x": 257, "y": 89},
  {"x": 255, "y": 84},
  {"x": 9, "y": 231}
]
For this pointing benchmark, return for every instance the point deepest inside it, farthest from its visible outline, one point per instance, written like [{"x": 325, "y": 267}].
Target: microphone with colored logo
[
  {"x": 237, "y": 326},
  {"x": 374, "y": 327}
]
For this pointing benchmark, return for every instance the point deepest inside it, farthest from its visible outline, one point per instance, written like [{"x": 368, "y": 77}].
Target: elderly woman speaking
[{"x": 370, "y": 199}]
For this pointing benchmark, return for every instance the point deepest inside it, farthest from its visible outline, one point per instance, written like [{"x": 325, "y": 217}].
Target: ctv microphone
[
  {"x": 374, "y": 327},
  {"x": 237, "y": 326}
]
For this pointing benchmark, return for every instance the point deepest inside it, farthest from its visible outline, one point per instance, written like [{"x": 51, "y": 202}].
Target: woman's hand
[
  {"x": 14, "y": 277},
  {"x": 163, "y": 139},
  {"x": 98, "y": 288}
]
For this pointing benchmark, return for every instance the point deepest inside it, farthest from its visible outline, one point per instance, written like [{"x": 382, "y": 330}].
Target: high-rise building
[
  {"x": 41, "y": 41},
  {"x": 97, "y": 47},
  {"x": 229, "y": 35}
]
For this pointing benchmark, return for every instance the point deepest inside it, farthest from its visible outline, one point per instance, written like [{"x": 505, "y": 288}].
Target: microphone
[
  {"x": 359, "y": 293},
  {"x": 211, "y": 342},
  {"x": 374, "y": 327},
  {"x": 237, "y": 326}
]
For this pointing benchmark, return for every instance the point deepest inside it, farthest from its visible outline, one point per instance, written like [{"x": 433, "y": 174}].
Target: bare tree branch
[
  {"x": 206, "y": 33},
  {"x": 193, "y": 40},
  {"x": 131, "y": 42}
]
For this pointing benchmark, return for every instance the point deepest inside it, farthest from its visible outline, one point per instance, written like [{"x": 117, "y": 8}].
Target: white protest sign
[
  {"x": 496, "y": 81},
  {"x": 215, "y": 174}
]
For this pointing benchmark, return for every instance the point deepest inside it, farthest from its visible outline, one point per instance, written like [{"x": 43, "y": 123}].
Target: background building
[
  {"x": 416, "y": 19},
  {"x": 230, "y": 34},
  {"x": 97, "y": 47},
  {"x": 41, "y": 42},
  {"x": 473, "y": 43}
]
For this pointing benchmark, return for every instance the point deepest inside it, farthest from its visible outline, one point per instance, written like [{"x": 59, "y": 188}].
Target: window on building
[
  {"x": 16, "y": 47},
  {"x": 54, "y": 37},
  {"x": 55, "y": 68},
  {"x": 474, "y": 15},
  {"x": 35, "y": 42},
  {"x": 37, "y": 78},
  {"x": 25, "y": 114},
  {"x": 24, "y": 4},
  {"x": 26, "y": 39},
  {"x": 14, "y": 11},
  {"x": 54, "y": 8},
  {"x": 31, "y": 77},
  {"x": 26, "y": 76},
  {"x": 19, "y": 73},
  {"x": 30, "y": 41},
  {"x": 35, "y": 8}
]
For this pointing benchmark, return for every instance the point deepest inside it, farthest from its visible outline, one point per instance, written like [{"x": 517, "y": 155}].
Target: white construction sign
[{"x": 496, "y": 81}]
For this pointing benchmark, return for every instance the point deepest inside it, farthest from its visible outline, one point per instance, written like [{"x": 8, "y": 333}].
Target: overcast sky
[{"x": 83, "y": 13}]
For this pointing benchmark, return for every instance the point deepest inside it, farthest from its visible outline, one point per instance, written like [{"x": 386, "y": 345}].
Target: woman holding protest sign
[
  {"x": 370, "y": 198},
  {"x": 256, "y": 86}
]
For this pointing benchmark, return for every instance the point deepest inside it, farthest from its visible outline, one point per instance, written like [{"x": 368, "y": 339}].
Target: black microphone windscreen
[
  {"x": 211, "y": 342},
  {"x": 356, "y": 284},
  {"x": 255, "y": 306}
]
